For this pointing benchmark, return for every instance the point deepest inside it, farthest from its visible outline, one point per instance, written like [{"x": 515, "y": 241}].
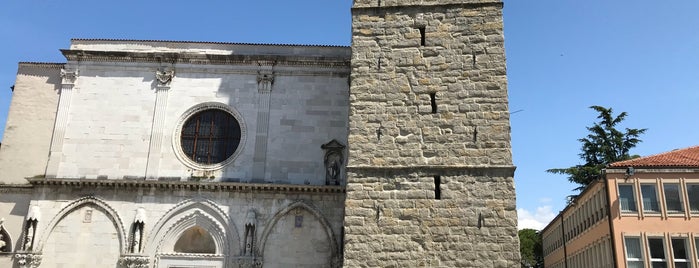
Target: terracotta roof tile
[{"x": 687, "y": 157}]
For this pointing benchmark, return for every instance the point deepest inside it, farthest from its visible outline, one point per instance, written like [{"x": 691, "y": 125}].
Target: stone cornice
[
  {"x": 197, "y": 58},
  {"x": 428, "y": 170},
  {"x": 189, "y": 185},
  {"x": 16, "y": 188}
]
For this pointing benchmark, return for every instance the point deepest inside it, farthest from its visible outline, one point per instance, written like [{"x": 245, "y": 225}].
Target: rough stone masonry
[{"x": 430, "y": 173}]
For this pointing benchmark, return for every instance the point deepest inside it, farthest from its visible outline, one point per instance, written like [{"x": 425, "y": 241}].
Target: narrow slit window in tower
[
  {"x": 433, "y": 102},
  {"x": 422, "y": 35},
  {"x": 437, "y": 187}
]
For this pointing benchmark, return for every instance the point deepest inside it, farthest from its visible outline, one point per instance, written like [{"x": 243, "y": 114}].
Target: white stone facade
[{"x": 111, "y": 186}]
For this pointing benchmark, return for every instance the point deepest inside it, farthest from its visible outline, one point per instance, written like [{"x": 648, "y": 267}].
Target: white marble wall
[{"x": 110, "y": 119}]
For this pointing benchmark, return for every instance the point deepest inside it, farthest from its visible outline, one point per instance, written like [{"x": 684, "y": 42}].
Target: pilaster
[
  {"x": 163, "y": 78},
  {"x": 265, "y": 80},
  {"x": 68, "y": 79}
]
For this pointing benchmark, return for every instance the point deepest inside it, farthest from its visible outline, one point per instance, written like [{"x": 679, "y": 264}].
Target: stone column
[
  {"x": 265, "y": 80},
  {"x": 68, "y": 76},
  {"x": 163, "y": 78}
]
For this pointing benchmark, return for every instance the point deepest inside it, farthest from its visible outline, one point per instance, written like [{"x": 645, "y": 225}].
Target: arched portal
[
  {"x": 194, "y": 233},
  {"x": 298, "y": 237},
  {"x": 85, "y": 237}
]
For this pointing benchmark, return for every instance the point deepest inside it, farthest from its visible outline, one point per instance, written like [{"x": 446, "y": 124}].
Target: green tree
[
  {"x": 603, "y": 145},
  {"x": 530, "y": 248}
]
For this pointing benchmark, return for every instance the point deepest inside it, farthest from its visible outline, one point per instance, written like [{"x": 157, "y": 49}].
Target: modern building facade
[
  {"x": 392, "y": 152},
  {"x": 643, "y": 213}
]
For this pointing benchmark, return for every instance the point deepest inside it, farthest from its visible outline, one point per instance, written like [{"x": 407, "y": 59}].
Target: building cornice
[
  {"x": 189, "y": 185},
  {"x": 199, "y": 58}
]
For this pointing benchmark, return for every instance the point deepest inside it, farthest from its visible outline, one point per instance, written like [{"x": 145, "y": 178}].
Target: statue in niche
[
  {"x": 30, "y": 231},
  {"x": 334, "y": 159},
  {"x": 137, "y": 230},
  {"x": 137, "y": 234},
  {"x": 2, "y": 238},
  {"x": 249, "y": 233}
]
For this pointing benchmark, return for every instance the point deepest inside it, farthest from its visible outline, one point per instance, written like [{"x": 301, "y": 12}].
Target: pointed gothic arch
[
  {"x": 97, "y": 203},
  {"x": 269, "y": 227},
  {"x": 191, "y": 213}
]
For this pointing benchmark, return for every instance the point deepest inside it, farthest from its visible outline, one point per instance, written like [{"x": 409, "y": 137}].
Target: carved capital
[
  {"x": 249, "y": 262},
  {"x": 69, "y": 76},
  {"x": 134, "y": 261},
  {"x": 164, "y": 76},
  {"x": 265, "y": 81},
  {"x": 28, "y": 260}
]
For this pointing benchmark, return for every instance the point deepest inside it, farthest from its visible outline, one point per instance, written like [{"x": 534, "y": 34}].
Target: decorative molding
[
  {"x": 28, "y": 260},
  {"x": 192, "y": 186},
  {"x": 193, "y": 212},
  {"x": 164, "y": 76},
  {"x": 68, "y": 76},
  {"x": 248, "y": 262},
  {"x": 134, "y": 261},
  {"x": 265, "y": 80},
  {"x": 191, "y": 58},
  {"x": 16, "y": 188}
]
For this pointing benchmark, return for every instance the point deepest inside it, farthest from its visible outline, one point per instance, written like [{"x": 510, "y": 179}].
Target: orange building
[{"x": 643, "y": 213}]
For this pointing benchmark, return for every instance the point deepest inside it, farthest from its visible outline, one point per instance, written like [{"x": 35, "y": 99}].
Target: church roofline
[{"x": 202, "y": 42}]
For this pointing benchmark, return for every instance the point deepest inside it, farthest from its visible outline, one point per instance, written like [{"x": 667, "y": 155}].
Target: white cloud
[
  {"x": 537, "y": 220},
  {"x": 545, "y": 200}
]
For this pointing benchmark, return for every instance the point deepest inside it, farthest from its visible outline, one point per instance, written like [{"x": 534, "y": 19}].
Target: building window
[
  {"x": 679, "y": 253},
  {"x": 649, "y": 197},
  {"x": 634, "y": 254},
  {"x": 657, "y": 252},
  {"x": 627, "y": 201},
  {"x": 693, "y": 195},
  {"x": 210, "y": 136},
  {"x": 696, "y": 247},
  {"x": 673, "y": 202}
]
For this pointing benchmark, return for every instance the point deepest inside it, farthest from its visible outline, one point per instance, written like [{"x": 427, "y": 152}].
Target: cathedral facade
[{"x": 394, "y": 152}]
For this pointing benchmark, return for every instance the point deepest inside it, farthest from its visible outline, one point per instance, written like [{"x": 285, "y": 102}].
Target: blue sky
[{"x": 640, "y": 56}]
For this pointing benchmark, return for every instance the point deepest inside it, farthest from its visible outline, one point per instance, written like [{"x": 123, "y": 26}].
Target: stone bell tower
[{"x": 430, "y": 173}]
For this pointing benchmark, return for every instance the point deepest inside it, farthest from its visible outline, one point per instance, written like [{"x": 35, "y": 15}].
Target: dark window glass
[
  {"x": 693, "y": 194},
  {"x": 650, "y": 198},
  {"x": 210, "y": 136},
  {"x": 657, "y": 253},
  {"x": 627, "y": 201},
  {"x": 672, "y": 198}
]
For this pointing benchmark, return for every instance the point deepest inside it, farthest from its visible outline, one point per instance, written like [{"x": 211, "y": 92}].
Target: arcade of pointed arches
[{"x": 197, "y": 227}]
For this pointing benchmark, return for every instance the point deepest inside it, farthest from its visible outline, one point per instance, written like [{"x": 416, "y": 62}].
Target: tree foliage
[
  {"x": 530, "y": 248},
  {"x": 603, "y": 145}
]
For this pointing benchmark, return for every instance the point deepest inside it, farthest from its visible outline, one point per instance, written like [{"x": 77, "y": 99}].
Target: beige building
[
  {"x": 394, "y": 152},
  {"x": 644, "y": 213}
]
